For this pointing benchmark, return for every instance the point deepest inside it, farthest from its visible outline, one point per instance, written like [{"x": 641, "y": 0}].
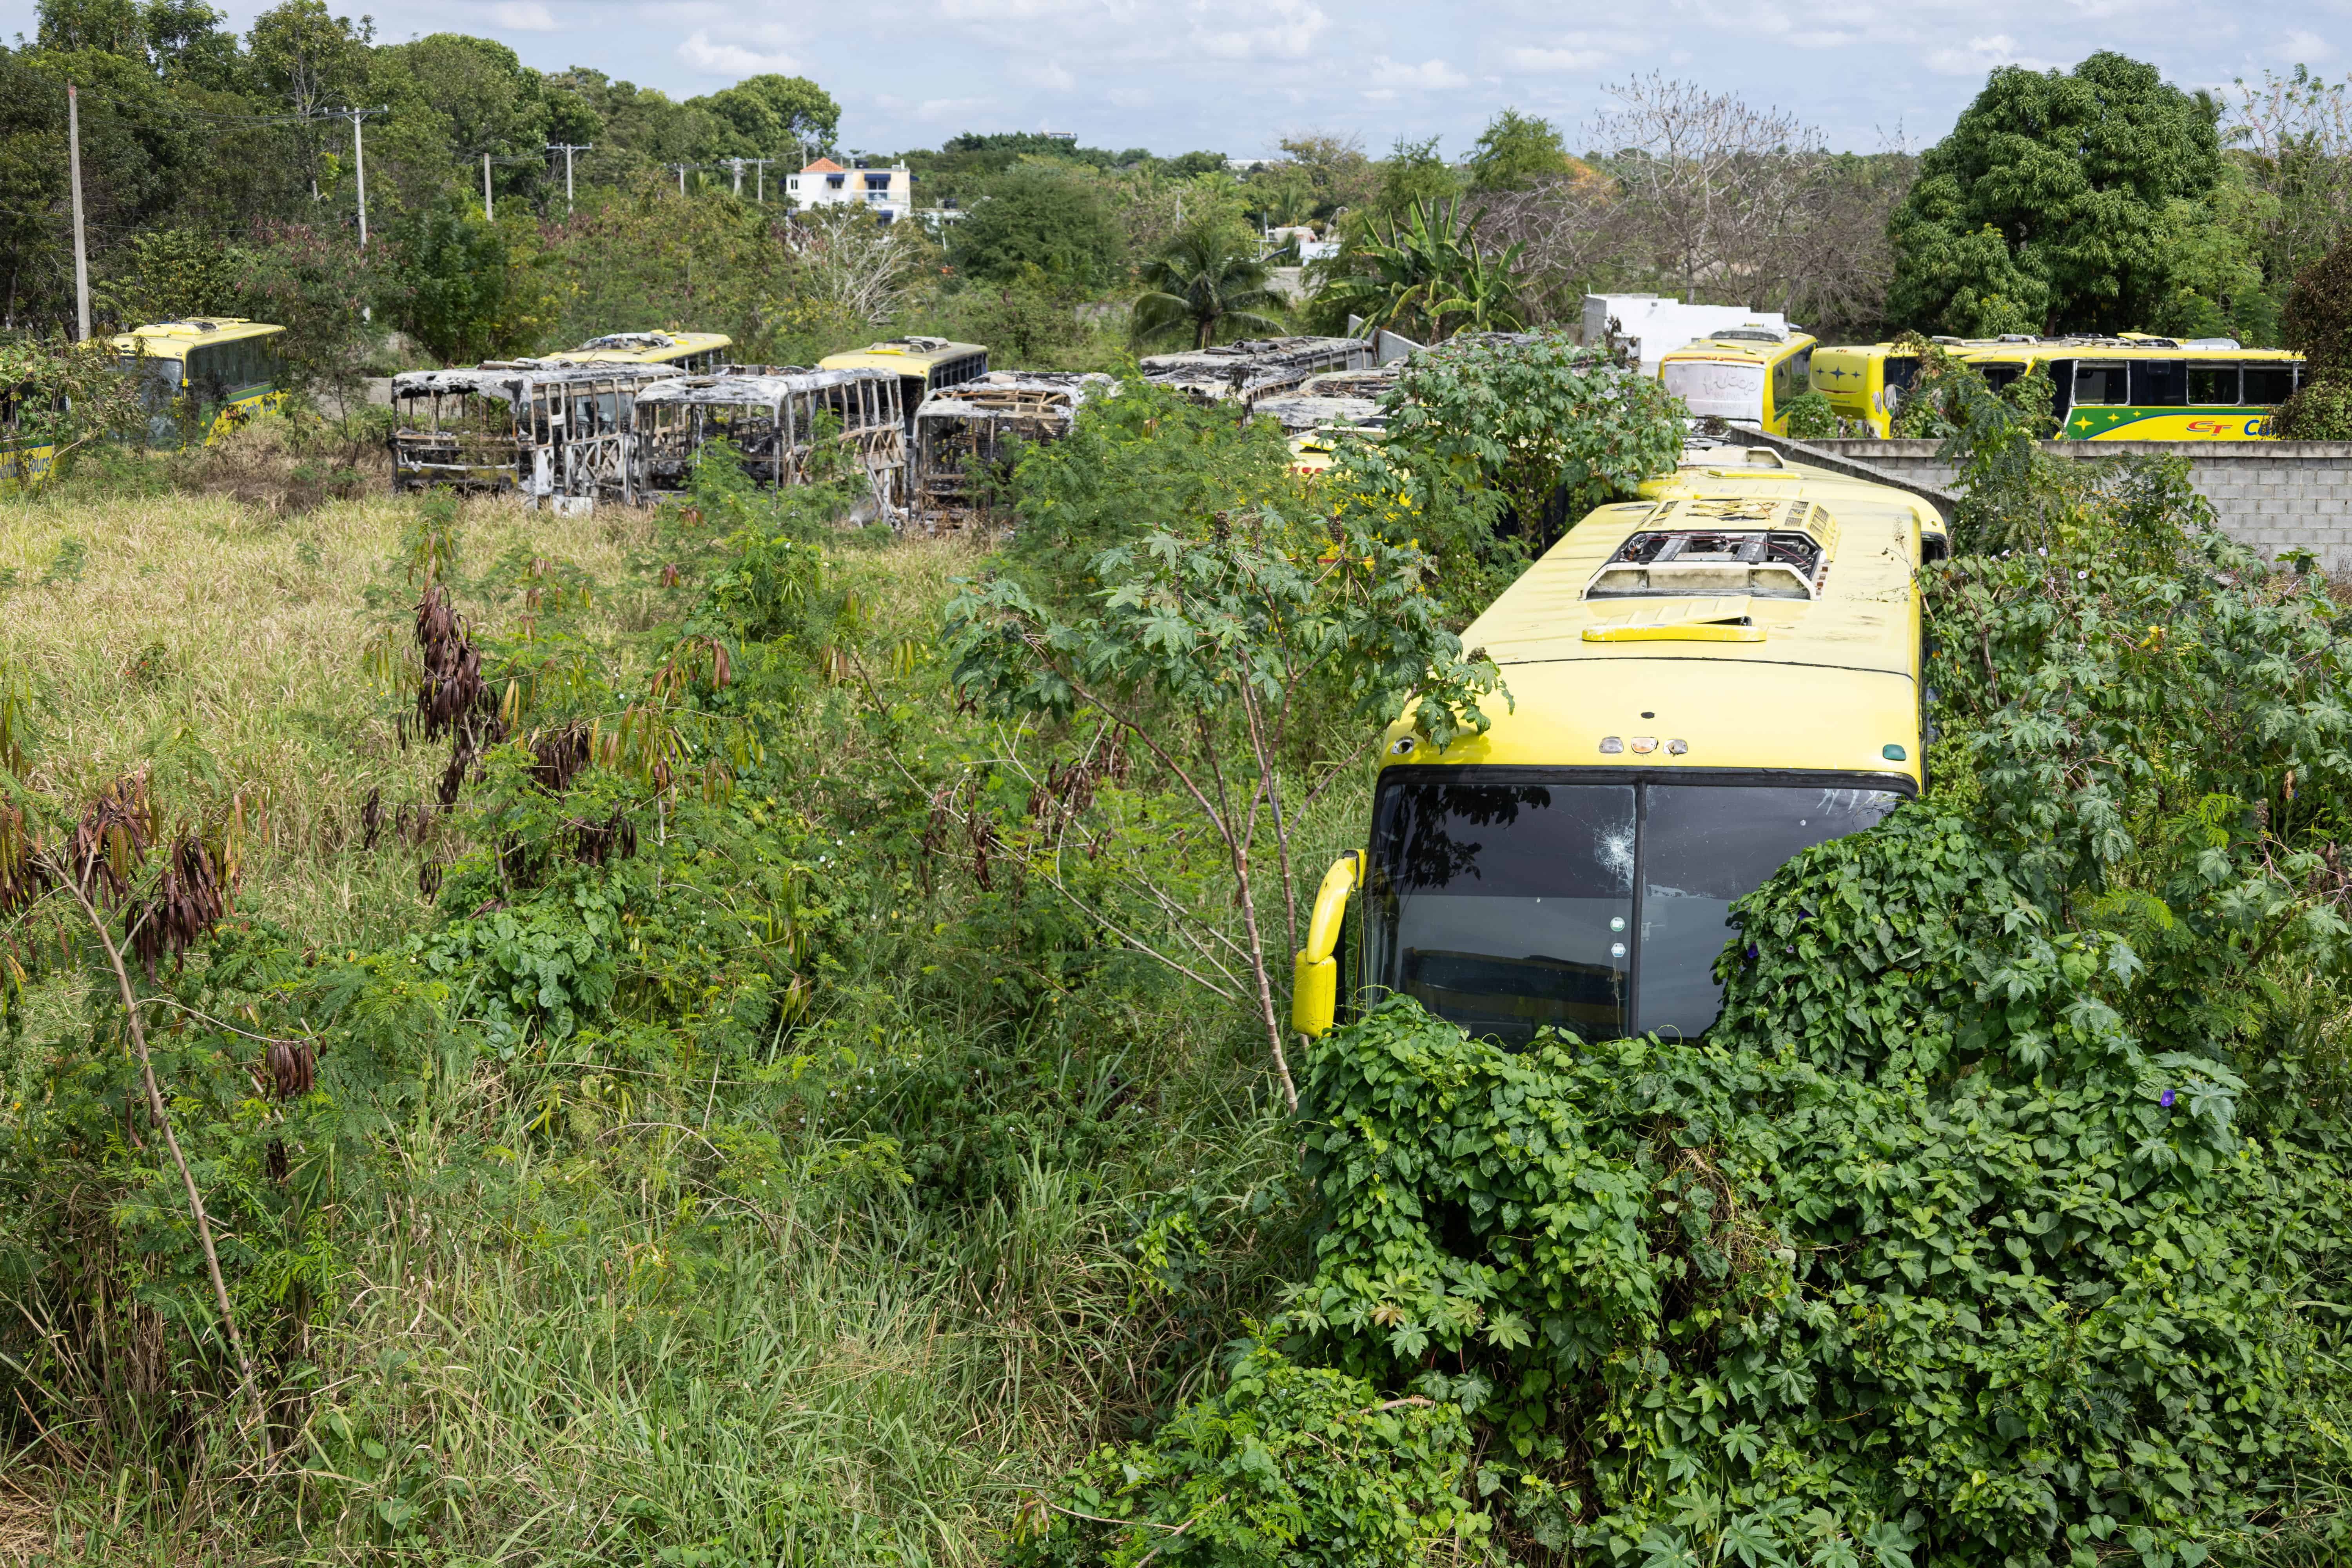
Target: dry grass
[{"x": 219, "y": 644}]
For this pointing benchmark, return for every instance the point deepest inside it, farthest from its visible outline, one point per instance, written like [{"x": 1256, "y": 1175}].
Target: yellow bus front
[
  {"x": 203, "y": 376},
  {"x": 1703, "y": 685}
]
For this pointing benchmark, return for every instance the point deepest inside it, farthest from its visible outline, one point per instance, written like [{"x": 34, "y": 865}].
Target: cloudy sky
[{"x": 1238, "y": 75}]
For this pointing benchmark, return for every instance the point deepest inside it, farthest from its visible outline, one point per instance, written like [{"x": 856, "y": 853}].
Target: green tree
[
  {"x": 1516, "y": 151},
  {"x": 2318, "y": 325},
  {"x": 108, "y": 27},
  {"x": 468, "y": 288},
  {"x": 1207, "y": 286},
  {"x": 1222, "y": 650},
  {"x": 1424, "y": 277},
  {"x": 2049, "y": 207},
  {"x": 1411, "y": 176},
  {"x": 1554, "y": 428},
  {"x": 1056, "y": 219},
  {"x": 769, "y": 115}
]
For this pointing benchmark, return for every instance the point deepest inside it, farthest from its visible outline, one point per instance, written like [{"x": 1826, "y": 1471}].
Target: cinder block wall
[{"x": 2271, "y": 495}]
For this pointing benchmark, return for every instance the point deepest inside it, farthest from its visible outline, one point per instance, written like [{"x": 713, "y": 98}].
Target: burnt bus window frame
[{"x": 1365, "y": 981}]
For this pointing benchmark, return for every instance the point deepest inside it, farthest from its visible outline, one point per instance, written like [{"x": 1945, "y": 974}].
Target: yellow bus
[
  {"x": 1703, "y": 683},
  {"x": 1747, "y": 374},
  {"x": 923, "y": 365},
  {"x": 2136, "y": 387},
  {"x": 204, "y": 374},
  {"x": 695, "y": 353},
  {"x": 1865, "y": 383}
]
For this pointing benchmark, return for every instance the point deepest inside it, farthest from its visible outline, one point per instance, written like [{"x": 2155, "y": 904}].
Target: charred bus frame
[
  {"x": 777, "y": 416},
  {"x": 544, "y": 427},
  {"x": 975, "y": 424},
  {"x": 1256, "y": 367}
]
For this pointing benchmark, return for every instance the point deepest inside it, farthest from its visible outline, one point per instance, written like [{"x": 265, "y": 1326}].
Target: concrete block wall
[{"x": 2270, "y": 495}]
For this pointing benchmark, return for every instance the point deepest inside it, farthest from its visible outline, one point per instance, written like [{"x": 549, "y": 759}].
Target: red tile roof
[{"x": 825, "y": 166}]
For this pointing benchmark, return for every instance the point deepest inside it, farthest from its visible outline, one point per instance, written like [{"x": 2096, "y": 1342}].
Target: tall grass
[{"x": 589, "y": 1306}]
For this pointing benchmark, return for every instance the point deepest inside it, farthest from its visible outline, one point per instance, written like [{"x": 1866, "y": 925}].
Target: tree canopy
[{"x": 2049, "y": 207}]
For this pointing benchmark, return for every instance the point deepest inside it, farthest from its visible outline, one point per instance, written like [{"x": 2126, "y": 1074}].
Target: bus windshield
[
  {"x": 1716, "y": 388},
  {"x": 1599, "y": 909}
]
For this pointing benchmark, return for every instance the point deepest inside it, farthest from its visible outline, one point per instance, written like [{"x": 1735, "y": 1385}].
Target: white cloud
[
  {"x": 730, "y": 60},
  {"x": 1127, "y": 98},
  {"x": 2304, "y": 48},
  {"x": 1285, "y": 30},
  {"x": 1428, "y": 75},
  {"x": 1005, "y": 10},
  {"x": 1559, "y": 59},
  {"x": 1052, "y": 75},
  {"x": 952, "y": 108},
  {"x": 523, "y": 16},
  {"x": 1981, "y": 56},
  {"x": 1823, "y": 38}
]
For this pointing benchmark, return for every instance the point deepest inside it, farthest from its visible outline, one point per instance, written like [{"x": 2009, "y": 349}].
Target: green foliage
[
  {"x": 1425, "y": 277},
  {"x": 2318, "y": 325},
  {"x": 1054, "y": 218},
  {"x": 1287, "y": 1466},
  {"x": 1551, "y": 428},
  {"x": 2049, "y": 206},
  {"x": 1146, "y": 461},
  {"x": 1811, "y": 417},
  {"x": 770, "y": 113},
  {"x": 468, "y": 289},
  {"x": 1516, "y": 151},
  {"x": 1208, "y": 286},
  {"x": 1413, "y": 174}
]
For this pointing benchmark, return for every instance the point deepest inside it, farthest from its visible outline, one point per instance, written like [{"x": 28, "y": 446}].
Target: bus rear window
[
  {"x": 1597, "y": 909},
  {"x": 1712, "y": 388}
]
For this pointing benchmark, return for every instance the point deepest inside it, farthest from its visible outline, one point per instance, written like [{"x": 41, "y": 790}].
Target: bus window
[
  {"x": 1713, "y": 387},
  {"x": 2106, "y": 385},
  {"x": 1901, "y": 369},
  {"x": 1703, "y": 846},
  {"x": 2159, "y": 384},
  {"x": 2210, "y": 384},
  {"x": 1997, "y": 376},
  {"x": 1505, "y": 907},
  {"x": 1784, "y": 383},
  {"x": 2269, "y": 384}
]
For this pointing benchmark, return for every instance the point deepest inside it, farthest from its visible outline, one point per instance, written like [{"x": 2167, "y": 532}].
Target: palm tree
[
  {"x": 1425, "y": 270},
  {"x": 1207, "y": 282}
]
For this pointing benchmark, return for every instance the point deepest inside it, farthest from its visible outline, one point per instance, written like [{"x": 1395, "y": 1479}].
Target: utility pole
[
  {"x": 760, "y": 186},
  {"x": 567, "y": 149},
  {"x": 81, "y": 253},
  {"x": 489, "y": 211},
  {"x": 359, "y": 160},
  {"x": 681, "y": 177},
  {"x": 739, "y": 177}
]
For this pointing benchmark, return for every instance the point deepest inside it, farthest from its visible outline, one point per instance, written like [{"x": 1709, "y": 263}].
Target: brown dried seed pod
[
  {"x": 292, "y": 1067},
  {"x": 429, "y": 878},
  {"x": 371, "y": 818}
]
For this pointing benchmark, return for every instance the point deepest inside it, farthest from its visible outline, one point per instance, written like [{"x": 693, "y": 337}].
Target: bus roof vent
[
  {"x": 1764, "y": 548},
  {"x": 1721, "y": 619}
]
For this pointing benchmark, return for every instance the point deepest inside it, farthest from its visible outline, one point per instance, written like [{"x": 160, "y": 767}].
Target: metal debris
[
  {"x": 546, "y": 428},
  {"x": 963, "y": 430},
  {"x": 1256, "y": 367},
  {"x": 778, "y": 416}
]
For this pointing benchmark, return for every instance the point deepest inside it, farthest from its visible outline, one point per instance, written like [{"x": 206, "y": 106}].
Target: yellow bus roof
[
  {"x": 1826, "y": 684},
  {"x": 2130, "y": 346},
  {"x": 173, "y": 340},
  {"x": 1754, "y": 351},
  {"x": 647, "y": 348},
  {"x": 907, "y": 356}
]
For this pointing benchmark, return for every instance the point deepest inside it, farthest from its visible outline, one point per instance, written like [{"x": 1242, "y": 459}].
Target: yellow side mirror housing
[{"x": 1314, "y": 973}]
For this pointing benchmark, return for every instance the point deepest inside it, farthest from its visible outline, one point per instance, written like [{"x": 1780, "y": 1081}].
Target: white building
[
  {"x": 888, "y": 193},
  {"x": 1657, "y": 327}
]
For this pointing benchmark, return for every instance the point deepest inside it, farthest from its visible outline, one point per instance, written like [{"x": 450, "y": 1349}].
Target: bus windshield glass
[
  {"x": 1716, "y": 388},
  {"x": 1599, "y": 909}
]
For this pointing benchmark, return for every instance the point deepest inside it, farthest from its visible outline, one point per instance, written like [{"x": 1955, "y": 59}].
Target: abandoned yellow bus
[
  {"x": 2134, "y": 387},
  {"x": 204, "y": 375},
  {"x": 693, "y": 353},
  {"x": 1703, "y": 683},
  {"x": 1747, "y": 374},
  {"x": 1865, "y": 383},
  {"x": 923, "y": 365}
]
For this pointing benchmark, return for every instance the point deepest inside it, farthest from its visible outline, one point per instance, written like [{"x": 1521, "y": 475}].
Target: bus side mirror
[{"x": 1315, "y": 974}]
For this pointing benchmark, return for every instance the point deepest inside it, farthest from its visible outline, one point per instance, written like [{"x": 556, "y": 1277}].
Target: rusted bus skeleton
[
  {"x": 778, "y": 416},
  {"x": 545, "y": 428},
  {"x": 967, "y": 428},
  {"x": 1256, "y": 367}
]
